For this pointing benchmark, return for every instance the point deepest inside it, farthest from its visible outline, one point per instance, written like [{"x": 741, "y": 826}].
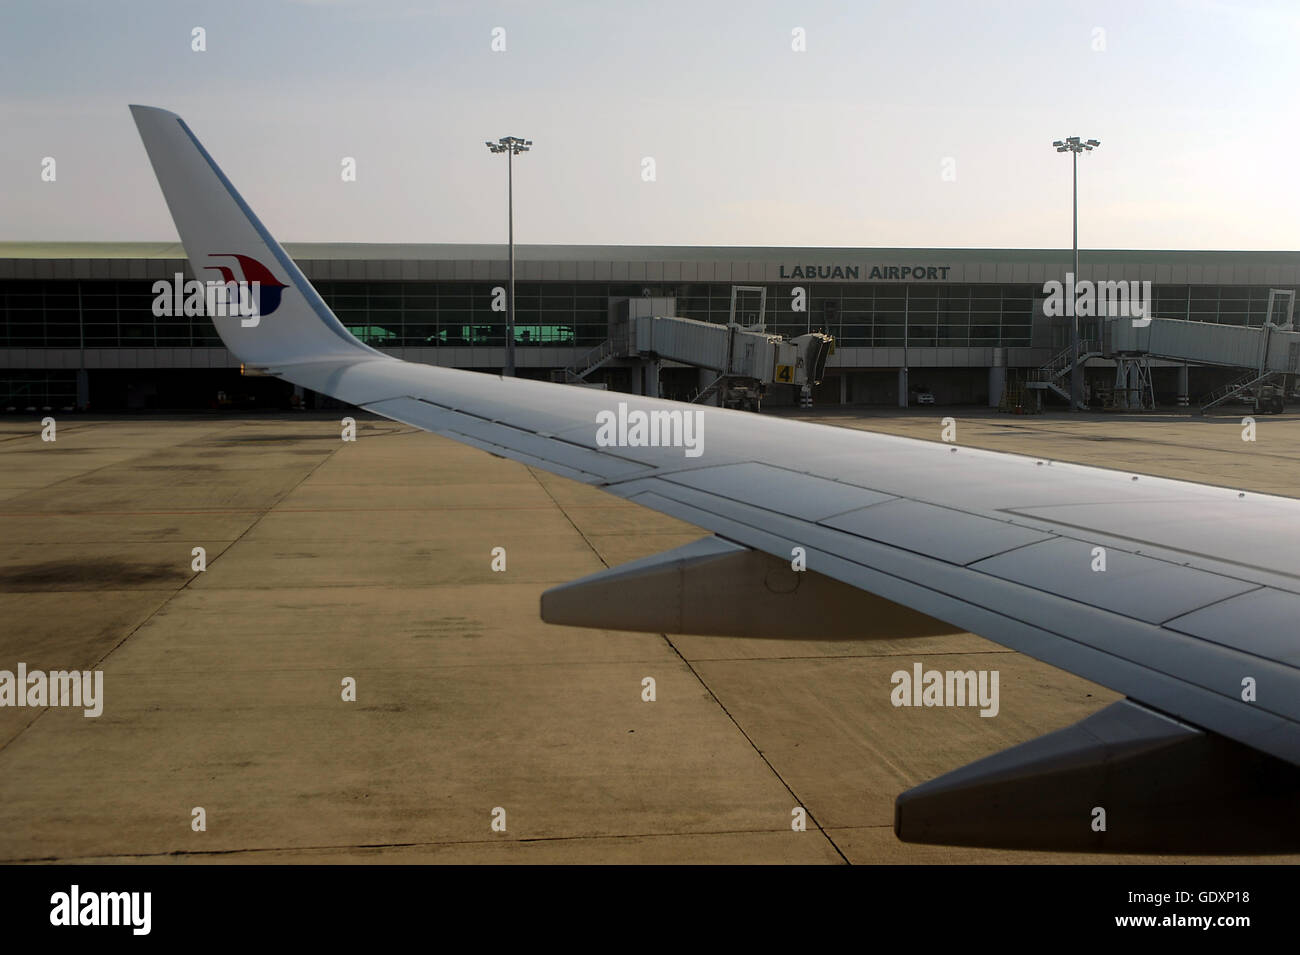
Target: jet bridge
[
  {"x": 1264, "y": 354},
  {"x": 745, "y": 362},
  {"x": 1267, "y": 349},
  {"x": 740, "y": 358}
]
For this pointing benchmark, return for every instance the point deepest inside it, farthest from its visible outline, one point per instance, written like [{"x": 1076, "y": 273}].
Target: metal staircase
[
  {"x": 709, "y": 390},
  {"x": 1220, "y": 395},
  {"x": 586, "y": 364},
  {"x": 1049, "y": 376}
]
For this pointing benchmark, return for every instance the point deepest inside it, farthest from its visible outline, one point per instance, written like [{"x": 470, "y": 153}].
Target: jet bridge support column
[
  {"x": 651, "y": 372},
  {"x": 1133, "y": 390},
  {"x": 1184, "y": 397}
]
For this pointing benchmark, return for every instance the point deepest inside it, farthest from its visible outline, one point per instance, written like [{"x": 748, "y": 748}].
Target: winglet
[{"x": 225, "y": 241}]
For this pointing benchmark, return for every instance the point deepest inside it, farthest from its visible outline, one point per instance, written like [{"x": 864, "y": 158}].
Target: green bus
[{"x": 492, "y": 335}]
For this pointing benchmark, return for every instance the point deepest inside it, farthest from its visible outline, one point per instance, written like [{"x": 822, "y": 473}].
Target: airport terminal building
[{"x": 78, "y": 324}]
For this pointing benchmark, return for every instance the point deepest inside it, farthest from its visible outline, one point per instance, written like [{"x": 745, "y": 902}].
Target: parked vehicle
[{"x": 1270, "y": 399}]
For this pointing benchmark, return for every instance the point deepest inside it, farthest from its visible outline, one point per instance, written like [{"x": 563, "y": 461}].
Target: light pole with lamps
[
  {"x": 511, "y": 146},
  {"x": 1074, "y": 145}
]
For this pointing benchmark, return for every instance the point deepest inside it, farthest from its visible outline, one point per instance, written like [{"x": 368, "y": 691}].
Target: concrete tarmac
[{"x": 371, "y": 561}]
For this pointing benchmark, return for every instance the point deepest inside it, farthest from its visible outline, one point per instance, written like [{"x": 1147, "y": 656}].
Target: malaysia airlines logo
[
  {"x": 247, "y": 288},
  {"x": 256, "y": 275}
]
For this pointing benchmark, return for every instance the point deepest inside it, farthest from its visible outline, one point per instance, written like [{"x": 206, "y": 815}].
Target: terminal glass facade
[{"x": 118, "y": 313}]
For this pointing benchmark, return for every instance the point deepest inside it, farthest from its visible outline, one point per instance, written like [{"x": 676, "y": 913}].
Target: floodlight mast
[
  {"x": 511, "y": 146},
  {"x": 1074, "y": 145}
]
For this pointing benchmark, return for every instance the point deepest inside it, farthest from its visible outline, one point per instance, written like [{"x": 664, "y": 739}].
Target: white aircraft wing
[{"x": 1193, "y": 619}]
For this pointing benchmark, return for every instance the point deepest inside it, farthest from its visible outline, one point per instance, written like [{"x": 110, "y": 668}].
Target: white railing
[
  {"x": 1220, "y": 395},
  {"x": 589, "y": 362},
  {"x": 1064, "y": 361}
]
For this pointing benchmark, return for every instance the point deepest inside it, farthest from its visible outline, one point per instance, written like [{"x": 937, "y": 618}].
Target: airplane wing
[{"x": 1193, "y": 618}]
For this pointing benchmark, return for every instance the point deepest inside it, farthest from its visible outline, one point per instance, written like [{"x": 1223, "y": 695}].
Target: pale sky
[{"x": 843, "y": 144}]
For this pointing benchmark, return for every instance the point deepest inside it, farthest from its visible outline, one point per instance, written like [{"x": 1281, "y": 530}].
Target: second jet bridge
[
  {"x": 737, "y": 362},
  {"x": 745, "y": 362},
  {"x": 1267, "y": 349},
  {"x": 1262, "y": 354}
]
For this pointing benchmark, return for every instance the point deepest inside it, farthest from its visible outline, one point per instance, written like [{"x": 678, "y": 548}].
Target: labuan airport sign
[{"x": 879, "y": 273}]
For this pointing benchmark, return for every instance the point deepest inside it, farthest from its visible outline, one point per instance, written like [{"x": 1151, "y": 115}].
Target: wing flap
[
  {"x": 1263, "y": 622},
  {"x": 780, "y": 490},
  {"x": 1130, "y": 584},
  {"x": 949, "y": 534}
]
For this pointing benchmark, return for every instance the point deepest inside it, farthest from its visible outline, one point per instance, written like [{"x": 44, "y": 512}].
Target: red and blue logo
[{"x": 269, "y": 287}]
